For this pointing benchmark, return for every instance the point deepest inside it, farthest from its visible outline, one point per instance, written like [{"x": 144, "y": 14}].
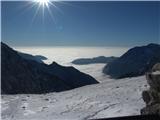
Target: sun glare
[
  {"x": 45, "y": 6},
  {"x": 43, "y": 2}
]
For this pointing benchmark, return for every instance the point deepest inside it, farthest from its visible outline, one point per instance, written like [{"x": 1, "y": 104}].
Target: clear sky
[{"x": 81, "y": 24}]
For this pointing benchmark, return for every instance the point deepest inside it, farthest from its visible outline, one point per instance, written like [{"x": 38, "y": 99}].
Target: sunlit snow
[{"x": 110, "y": 98}]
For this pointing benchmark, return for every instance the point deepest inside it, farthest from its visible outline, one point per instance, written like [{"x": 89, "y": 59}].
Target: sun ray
[
  {"x": 44, "y": 4},
  {"x": 49, "y": 6},
  {"x": 28, "y": 7},
  {"x": 35, "y": 14},
  {"x": 52, "y": 17},
  {"x": 57, "y": 8}
]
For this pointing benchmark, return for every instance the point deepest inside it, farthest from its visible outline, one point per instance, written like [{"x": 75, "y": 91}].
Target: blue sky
[{"x": 81, "y": 24}]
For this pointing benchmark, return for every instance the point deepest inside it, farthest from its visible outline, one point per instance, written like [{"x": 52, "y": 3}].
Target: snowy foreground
[{"x": 107, "y": 99}]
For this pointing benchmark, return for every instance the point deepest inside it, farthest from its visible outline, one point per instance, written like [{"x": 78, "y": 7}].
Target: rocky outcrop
[
  {"x": 135, "y": 62},
  {"x": 100, "y": 59},
  {"x": 152, "y": 96},
  {"x": 20, "y": 75}
]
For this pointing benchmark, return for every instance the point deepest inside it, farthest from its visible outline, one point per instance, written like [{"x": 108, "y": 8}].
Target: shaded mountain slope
[
  {"x": 38, "y": 58},
  {"x": 20, "y": 75},
  {"x": 134, "y": 62},
  {"x": 69, "y": 75}
]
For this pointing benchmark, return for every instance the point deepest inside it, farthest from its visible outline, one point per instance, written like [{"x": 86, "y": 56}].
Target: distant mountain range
[
  {"x": 100, "y": 59},
  {"x": 134, "y": 62},
  {"x": 21, "y": 74}
]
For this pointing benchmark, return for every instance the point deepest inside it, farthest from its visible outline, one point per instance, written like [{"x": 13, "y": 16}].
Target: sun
[
  {"x": 45, "y": 6},
  {"x": 42, "y": 2}
]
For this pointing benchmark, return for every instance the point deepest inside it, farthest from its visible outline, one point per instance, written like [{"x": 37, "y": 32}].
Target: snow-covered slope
[
  {"x": 110, "y": 98},
  {"x": 107, "y": 99}
]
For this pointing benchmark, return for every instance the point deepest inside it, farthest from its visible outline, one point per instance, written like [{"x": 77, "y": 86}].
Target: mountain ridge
[
  {"x": 100, "y": 59},
  {"x": 135, "y": 62},
  {"x": 20, "y": 75}
]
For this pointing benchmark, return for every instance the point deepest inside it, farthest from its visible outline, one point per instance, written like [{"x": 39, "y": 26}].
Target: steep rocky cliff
[{"x": 152, "y": 96}]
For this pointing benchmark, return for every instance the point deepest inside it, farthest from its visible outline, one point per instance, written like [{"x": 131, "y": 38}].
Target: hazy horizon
[
  {"x": 77, "y": 46},
  {"x": 65, "y": 55}
]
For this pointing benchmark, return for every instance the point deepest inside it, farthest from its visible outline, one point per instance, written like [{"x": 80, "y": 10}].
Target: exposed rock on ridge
[{"x": 152, "y": 96}]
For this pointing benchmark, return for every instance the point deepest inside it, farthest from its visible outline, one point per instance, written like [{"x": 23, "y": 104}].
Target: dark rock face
[
  {"x": 37, "y": 58},
  {"x": 20, "y": 75},
  {"x": 134, "y": 62},
  {"x": 100, "y": 59},
  {"x": 152, "y": 96}
]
